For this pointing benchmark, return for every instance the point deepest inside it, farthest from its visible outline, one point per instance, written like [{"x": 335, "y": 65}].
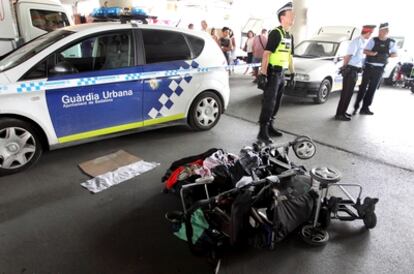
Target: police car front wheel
[
  {"x": 205, "y": 111},
  {"x": 20, "y": 146}
]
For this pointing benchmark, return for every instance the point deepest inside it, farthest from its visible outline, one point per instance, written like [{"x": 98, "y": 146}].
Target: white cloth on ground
[{"x": 118, "y": 176}]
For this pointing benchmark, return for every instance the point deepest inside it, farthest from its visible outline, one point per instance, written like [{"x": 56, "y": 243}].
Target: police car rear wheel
[
  {"x": 205, "y": 111},
  {"x": 20, "y": 146},
  {"x": 323, "y": 92}
]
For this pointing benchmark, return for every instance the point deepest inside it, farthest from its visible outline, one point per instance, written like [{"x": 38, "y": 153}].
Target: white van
[{"x": 24, "y": 20}]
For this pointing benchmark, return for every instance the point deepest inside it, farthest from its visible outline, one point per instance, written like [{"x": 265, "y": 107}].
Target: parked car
[
  {"x": 317, "y": 62},
  {"x": 84, "y": 82}
]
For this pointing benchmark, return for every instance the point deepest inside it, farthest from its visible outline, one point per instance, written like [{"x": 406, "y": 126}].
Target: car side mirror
[
  {"x": 304, "y": 148},
  {"x": 63, "y": 68}
]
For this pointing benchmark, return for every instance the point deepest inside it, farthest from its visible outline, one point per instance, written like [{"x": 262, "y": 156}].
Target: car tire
[
  {"x": 323, "y": 92},
  {"x": 20, "y": 146},
  {"x": 205, "y": 111}
]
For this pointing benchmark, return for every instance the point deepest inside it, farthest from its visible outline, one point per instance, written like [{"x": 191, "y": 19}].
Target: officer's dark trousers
[
  {"x": 272, "y": 96},
  {"x": 349, "y": 80},
  {"x": 371, "y": 78}
]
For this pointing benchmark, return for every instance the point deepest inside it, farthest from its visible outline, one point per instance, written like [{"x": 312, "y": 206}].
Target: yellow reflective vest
[{"x": 281, "y": 56}]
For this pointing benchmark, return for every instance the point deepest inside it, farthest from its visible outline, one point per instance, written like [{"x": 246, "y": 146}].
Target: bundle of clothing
[
  {"x": 227, "y": 169},
  {"x": 239, "y": 213}
]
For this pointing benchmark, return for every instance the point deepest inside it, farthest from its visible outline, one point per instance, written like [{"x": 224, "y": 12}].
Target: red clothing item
[{"x": 173, "y": 179}]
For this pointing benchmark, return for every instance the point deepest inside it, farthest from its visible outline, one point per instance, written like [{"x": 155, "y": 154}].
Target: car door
[
  {"x": 167, "y": 98},
  {"x": 101, "y": 93}
]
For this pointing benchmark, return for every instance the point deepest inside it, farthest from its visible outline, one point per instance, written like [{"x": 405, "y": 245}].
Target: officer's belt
[
  {"x": 374, "y": 66},
  {"x": 272, "y": 68},
  {"x": 357, "y": 69}
]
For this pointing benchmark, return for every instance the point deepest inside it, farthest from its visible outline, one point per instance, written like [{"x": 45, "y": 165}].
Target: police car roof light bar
[{"x": 124, "y": 15}]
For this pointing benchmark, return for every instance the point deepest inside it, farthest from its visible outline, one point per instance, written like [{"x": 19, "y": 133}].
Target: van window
[
  {"x": 163, "y": 46},
  {"x": 48, "y": 20},
  {"x": 102, "y": 52}
]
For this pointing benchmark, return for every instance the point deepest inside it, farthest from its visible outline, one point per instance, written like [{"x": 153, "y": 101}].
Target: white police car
[
  {"x": 85, "y": 82},
  {"x": 317, "y": 62}
]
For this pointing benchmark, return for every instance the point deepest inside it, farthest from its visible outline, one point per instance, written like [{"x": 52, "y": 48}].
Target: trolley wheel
[
  {"x": 325, "y": 217},
  {"x": 325, "y": 175},
  {"x": 370, "y": 220},
  {"x": 314, "y": 235}
]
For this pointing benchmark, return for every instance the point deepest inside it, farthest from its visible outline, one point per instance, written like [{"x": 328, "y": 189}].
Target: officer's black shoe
[
  {"x": 342, "y": 118},
  {"x": 263, "y": 135},
  {"x": 366, "y": 112},
  {"x": 274, "y": 132},
  {"x": 348, "y": 115},
  {"x": 355, "y": 111}
]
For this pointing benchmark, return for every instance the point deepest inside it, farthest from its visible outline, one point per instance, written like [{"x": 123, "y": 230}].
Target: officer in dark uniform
[
  {"x": 378, "y": 50},
  {"x": 353, "y": 62},
  {"x": 277, "y": 58}
]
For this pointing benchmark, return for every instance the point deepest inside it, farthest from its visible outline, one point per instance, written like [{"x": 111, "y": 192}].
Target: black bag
[{"x": 290, "y": 214}]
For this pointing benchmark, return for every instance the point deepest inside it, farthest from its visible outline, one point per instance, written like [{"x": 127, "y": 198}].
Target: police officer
[
  {"x": 378, "y": 50},
  {"x": 277, "y": 58},
  {"x": 352, "y": 65}
]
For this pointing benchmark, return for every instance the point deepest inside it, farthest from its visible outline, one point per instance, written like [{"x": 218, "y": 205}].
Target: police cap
[
  {"x": 383, "y": 26},
  {"x": 288, "y": 6}
]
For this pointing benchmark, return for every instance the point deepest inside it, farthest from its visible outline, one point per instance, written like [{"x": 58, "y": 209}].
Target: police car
[
  {"x": 317, "y": 62},
  {"x": 84, "y": 82}
]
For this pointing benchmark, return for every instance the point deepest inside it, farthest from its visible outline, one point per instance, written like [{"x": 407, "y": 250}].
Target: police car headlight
[{"x": 301, "y": 77}]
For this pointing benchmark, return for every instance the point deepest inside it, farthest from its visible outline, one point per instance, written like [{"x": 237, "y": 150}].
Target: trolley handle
[{"x": 272, "y": 179}]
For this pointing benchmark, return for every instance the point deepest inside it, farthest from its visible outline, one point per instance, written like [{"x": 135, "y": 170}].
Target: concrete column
[{"x": 300, "y": 28}]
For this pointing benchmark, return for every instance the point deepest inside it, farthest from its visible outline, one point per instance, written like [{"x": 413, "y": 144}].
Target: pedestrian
[
  {"x": 377, "y": 50},
  {"x": 350, "y": 69},
  {"x": 191, "y": 26},
  {"x": 204, "y": 26},
  {"x": 248, "y": 48},
  {"x": 259, "y": 45},
  {"x": 214, "y": 35},
  {"x": 226, "y": 44},
  {"x": 277, "y": 58}
]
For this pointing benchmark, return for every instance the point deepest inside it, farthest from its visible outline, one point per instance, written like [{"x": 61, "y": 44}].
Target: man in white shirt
[{"x": 353, "y": 63}]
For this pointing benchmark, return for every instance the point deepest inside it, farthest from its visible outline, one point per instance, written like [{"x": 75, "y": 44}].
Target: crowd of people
[{"x": 254, "y": 45}]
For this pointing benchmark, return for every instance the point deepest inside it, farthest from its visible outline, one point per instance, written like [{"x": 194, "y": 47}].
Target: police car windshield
[
  {"x": 32, "y": 48},
  {"x": 316, "y": 49}
]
